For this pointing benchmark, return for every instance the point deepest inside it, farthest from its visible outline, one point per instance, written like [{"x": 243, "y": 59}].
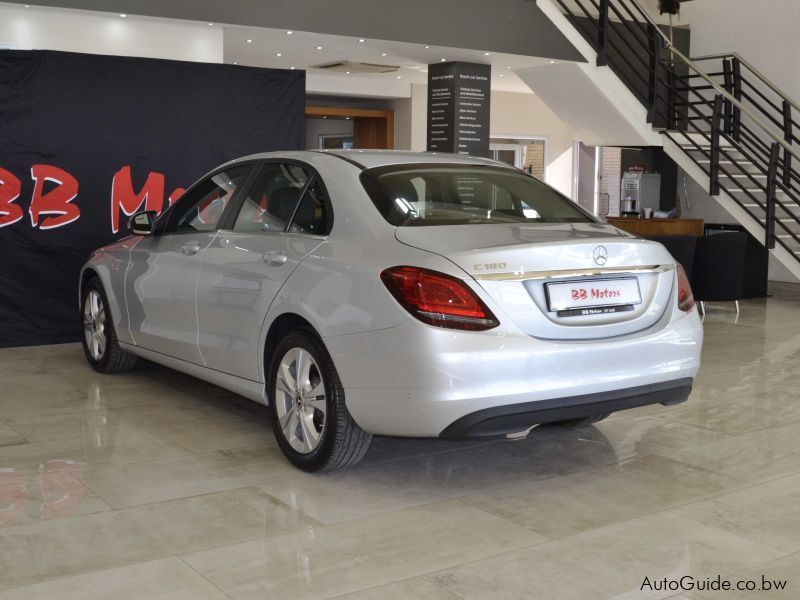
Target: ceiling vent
[{"x": 343, "y": 66}]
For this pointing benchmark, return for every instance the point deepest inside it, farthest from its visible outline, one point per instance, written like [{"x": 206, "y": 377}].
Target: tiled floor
[{"x": 155, "y": 485}]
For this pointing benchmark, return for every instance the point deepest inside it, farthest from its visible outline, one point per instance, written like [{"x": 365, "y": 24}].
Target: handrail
[
  {"x": 753, "y": 70},
  {"x": 718, "y": 88}
]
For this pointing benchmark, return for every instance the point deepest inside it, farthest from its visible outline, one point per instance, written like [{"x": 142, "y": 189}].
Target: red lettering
[
  {"x": 125, "y": 199},
  {"x": 10, "y": 187},
  {"x": 176, "y": 195},
  {"x": 56, "y": 201}
]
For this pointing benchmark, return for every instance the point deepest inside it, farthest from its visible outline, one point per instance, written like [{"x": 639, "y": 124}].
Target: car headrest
[{"x": 283, "y": 202}]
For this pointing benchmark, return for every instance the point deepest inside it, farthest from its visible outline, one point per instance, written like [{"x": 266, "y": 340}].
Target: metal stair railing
[{"x": 731, "y": 124}]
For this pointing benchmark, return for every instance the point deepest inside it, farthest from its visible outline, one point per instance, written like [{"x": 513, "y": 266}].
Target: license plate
[{"x": 593, "y": 296}]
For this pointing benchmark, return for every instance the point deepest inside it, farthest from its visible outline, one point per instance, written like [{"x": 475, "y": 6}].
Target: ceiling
[{"x": 303, "y": 50}]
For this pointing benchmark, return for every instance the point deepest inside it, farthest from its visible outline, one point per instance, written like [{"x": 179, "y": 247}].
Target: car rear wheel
[
  {"x": 99, "y": 338},
  {"x": 311, "y": 423},
  {"x": 583, "y": 422}
]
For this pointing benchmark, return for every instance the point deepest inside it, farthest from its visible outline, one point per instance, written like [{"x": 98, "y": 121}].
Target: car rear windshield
[{"x": 412, "y": 195}]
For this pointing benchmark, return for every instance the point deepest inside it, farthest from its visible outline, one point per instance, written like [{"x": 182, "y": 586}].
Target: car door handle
[
  {"x": 190, "y": 248},
  {"x": 275, "y": 258}
]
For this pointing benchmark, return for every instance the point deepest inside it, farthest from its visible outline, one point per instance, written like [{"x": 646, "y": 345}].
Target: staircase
[{"x": 723, "y": 122}]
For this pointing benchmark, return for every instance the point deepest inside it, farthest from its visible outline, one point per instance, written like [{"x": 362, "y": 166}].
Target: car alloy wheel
[
  {"x": 94, "y": 325},
  {"x": 300, "y": 401}
]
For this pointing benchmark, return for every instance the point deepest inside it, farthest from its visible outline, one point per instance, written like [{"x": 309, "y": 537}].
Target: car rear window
[{"x": 412, "y": 195}]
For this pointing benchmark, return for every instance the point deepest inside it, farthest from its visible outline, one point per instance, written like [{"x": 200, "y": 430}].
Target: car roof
[{"x": 366, "y": 159}]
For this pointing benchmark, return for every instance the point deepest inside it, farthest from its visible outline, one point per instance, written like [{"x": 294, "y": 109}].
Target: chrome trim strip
[{"x": 569, "y": 273}]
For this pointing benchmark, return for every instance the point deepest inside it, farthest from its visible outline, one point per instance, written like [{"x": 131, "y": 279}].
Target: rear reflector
[
  {"x": 438, "y": 299},
  {"x": 685, "y": 295}
]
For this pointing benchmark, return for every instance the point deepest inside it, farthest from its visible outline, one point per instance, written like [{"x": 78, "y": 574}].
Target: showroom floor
[{"x": 152, "y": 484}]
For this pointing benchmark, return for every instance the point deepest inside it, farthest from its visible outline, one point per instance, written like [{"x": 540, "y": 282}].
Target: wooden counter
[{"x": 648, "y": 227}]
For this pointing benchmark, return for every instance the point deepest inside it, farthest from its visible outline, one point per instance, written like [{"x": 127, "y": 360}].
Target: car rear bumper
[
  {"x": 512, "y": 418},
  {"x": 419, "y": 381}
]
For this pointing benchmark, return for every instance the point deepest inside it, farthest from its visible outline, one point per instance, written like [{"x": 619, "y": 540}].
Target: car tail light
[
  {"x": 685, "y": 296},
  {"x": 438, "y": 299}
]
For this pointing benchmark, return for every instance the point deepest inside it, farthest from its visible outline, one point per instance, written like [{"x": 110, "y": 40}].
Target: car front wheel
[
  {"x": 99, "y": 337},
  {"x": 309, "y": 417}
]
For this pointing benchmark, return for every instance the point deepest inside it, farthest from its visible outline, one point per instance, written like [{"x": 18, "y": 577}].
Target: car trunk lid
[{"x": 533, "y": 272}]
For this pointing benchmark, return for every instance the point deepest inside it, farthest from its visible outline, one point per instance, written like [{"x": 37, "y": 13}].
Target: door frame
[{"x": 357, "y": 113}]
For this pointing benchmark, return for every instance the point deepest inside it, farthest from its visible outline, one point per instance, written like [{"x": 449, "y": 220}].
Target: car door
[
  {"x": 161, "y": 280},
  {"x": 281, "y": 218}
]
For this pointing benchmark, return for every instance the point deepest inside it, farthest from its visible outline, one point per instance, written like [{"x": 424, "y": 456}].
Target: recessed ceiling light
[
  {"x": 487, "y": 53},
  {"x": 319, "y": 47},
  {"x": 427, "y": 47},
  {"x": 123, "y": 15},
  {"x": 279, "y": 54},
  {"x": 399, "y": 76},
  {"x": 347, "y": 72},
  {"x": 210, "y": 24},
  {"x": 383, "y": 53},
  {"x": 347, "y": 118},
  {"x": 508, "y": 67},
  {"x": 236, "y": 63},
  {"x": 292, "y": 68},
  {"x": 249, "y": 41},
  {"x": 552, "y": 62},
  {"x": 444, "y": 60},
  {"x": 324, "y": 117},
  {"x": 289, "y": 32},
  {"x": 502, "y": 75},
  {"x": 361, "y": 40}
]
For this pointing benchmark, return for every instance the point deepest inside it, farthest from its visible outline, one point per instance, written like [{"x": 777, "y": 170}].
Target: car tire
[
  {"x": 315, "y": 434},
  {"x": 99, "y": 337},
  {"x": 583, "y": 422}
]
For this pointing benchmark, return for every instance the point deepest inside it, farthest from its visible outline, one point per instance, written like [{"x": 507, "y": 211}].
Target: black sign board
[{"x": 458, "y": 108}]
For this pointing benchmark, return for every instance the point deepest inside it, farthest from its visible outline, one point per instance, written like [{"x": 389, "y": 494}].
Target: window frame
[
  {"x": 165, "y": 217},
  {"x": 237, "y": 202}
]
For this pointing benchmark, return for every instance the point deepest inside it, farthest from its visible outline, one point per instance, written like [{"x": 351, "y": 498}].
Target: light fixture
[
  {"x": 502, "y": 75},
  {"x": 319, "y": 47},
  {"x": 508, "y": 67},
  {"x": 123, "y": 15},
  {"x": 236, "y": 63},
  {"x": 399, "y": 77},
  {"x": 347, "y": 72},
  {"x": 444, "y": 60},
  {"x": 383, "y": 54},
  {"x": 427, "y": 47},
  {"x": 289, "y": 32},
  {"x": 249, "y": 41},
  {"x": 347, "y": 118},
  {"x": 279, "y": 54},
  {"x": 292, "y": 68},
  {"x": 210, "y": 24},
  {"x": 487, "y": 53},
  {"x": 361, "y": 40},
  {"x": 552, "y": 62},
  {"x": 324, "y": 116}
]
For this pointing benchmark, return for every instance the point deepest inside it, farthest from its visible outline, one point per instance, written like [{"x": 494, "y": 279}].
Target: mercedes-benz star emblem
[{"x": 600, "y": 255}]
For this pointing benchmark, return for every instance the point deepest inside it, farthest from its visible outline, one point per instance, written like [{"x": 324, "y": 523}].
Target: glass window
[
  {"x": 201, "y": 208},
  {"x": 454, "y": 194},
  {"x": 312, "y": 215},
  {"x": 270, "y": 202}
]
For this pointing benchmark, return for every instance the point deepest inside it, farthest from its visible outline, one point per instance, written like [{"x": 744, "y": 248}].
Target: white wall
[
  {"x": 764, "y": 32},
  {"x": 515, "y": 115},
  {"x": 40, "y": 28}
]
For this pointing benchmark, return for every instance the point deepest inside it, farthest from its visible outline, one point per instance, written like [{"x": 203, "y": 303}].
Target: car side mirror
[{"x": 143, "y": 223}]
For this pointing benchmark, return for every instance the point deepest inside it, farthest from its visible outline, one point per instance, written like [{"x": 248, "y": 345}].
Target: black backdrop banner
[{"x": 87, "y": 140}]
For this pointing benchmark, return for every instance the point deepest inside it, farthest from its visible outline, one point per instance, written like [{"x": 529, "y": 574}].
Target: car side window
[
  {"x": 312, "y": 215},
  {"x": 201, "y": 208},
  {"x": 272, "y": 199}
]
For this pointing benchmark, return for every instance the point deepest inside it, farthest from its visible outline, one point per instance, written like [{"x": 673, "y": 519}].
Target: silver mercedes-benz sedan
[{"x": 388, "y": 293}]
